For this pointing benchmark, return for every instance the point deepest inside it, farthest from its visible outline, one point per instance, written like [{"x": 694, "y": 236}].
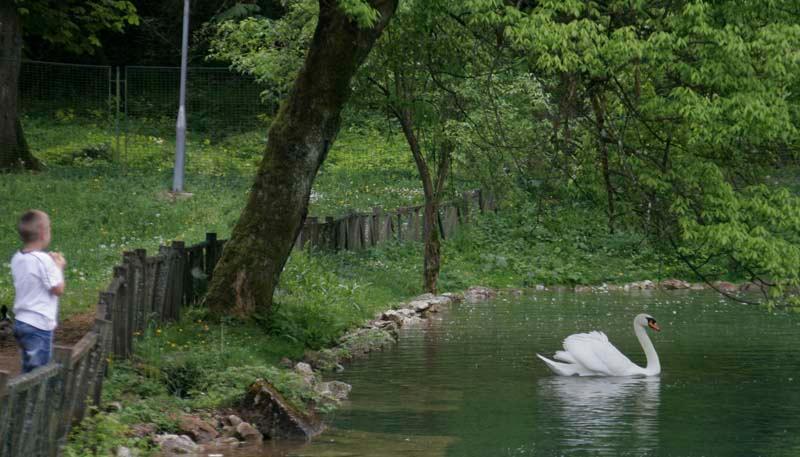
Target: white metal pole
[{"x": 180, "y": 127}]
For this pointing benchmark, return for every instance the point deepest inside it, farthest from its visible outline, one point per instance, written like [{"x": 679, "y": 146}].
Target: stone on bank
[{"x": 272, "y": 415}]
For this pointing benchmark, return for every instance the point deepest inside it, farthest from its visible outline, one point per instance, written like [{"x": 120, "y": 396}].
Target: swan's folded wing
[
  {"x": 564, "y": 356},
  {"x": 594, "y": 351}
]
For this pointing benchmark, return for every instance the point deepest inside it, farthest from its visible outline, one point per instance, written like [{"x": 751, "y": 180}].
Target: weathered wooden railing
[
  {"x": 37, "y": 409},
  {"x": 147, "y": 290},
  {"x": 361, "y": 230}
]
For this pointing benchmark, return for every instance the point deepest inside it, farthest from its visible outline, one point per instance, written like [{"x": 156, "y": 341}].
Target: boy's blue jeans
[{"x": 36, "y": 345}]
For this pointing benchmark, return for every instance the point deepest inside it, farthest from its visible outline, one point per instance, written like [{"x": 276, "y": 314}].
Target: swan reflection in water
[{"x": 604, "y": 415}]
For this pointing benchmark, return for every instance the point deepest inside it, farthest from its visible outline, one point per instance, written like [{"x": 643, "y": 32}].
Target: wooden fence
[
  {"x": 362, "y": 230},
  {"x": 153, "y": 290},
  {"x": 37, "y": 409}
]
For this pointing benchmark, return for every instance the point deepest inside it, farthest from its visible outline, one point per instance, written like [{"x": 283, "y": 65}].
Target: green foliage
[
  {"x": 688, "y": 105},
  {"x": 100, "y": 435},
  {"x": 271, "y": 50},
  {"x": 527, "y": 245},
  {"x": 75, "y": 25},
  {"x": 361, "y": 11},
  {"x": 315, "y": 305},
  {"x": 99, "y": 212}
]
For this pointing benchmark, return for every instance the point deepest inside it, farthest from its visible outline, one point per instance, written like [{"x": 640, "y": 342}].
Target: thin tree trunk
[
  {"x": 432, "y": 192},
  {"x": 14, "y": 151},
  {"x": 599, "y": 112},
  {"x": 298, "y": 142},
  {"x": 433, "y": 248}
]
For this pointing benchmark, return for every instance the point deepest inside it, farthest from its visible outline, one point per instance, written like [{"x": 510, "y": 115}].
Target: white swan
[{"x": 591, "y": 354}]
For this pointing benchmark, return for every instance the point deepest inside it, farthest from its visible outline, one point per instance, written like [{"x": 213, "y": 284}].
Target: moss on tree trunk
[
  {"x": 298, "y": 142},
  {"x": 14, "y": 150}
]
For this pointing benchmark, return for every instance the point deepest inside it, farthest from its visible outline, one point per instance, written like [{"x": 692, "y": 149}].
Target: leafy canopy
[
  {"x": 701, "y": 106},
  {"x": 75, "y": 24}
]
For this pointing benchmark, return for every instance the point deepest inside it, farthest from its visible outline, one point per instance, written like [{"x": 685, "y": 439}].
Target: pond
[{"x": 469, "y": 383}]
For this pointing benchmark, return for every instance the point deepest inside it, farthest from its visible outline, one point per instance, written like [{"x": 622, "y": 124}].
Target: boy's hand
[{"x": 59, "y": 259}]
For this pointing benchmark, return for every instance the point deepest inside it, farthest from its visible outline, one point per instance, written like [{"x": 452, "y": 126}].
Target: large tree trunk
[
  {"x": 298, "y": 142},
  {"x": 14, "y": 151}
]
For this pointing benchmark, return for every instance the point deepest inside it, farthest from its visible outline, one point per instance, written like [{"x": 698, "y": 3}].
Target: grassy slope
[{"x": 98, "y": 211}]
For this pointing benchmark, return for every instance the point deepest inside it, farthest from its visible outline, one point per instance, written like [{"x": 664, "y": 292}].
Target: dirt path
[{"x": 68, "y": 333}]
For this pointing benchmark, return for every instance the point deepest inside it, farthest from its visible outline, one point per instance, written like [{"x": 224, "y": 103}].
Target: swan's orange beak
[{"x": 654, "y": 326}]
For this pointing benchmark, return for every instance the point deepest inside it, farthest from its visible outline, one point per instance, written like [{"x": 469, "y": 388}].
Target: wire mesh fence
[
  {"x": 82, "y": 113},
  {"x": 66, "y": 110},
  {"x": 226, "y": 118}
]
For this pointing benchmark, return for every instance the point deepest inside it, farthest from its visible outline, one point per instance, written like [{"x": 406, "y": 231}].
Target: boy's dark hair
[{"x": 30, "y": 225}]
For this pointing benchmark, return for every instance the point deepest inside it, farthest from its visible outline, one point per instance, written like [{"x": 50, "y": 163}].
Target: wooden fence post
[
  {"x": 119, "y": 313},
  {"x": 63, "y": 356},
  {"x": 341, "y": 233},
  {"x": 99, "y": 362},
  {"x": 387, "y": 231},
  {"x": 163, "y": 295},
  {"x": 211, "y": 254},
  {"x": 400, "y": 230},
  {"x": 4, "y": 377},
  {"x": 329, "y": 233},
  {"x": 177, "y": 278},
  {"x": 353, "y": 231},
  {"x": 375, "y": 227},
  {"x": 131, "y": 302},
  {"x": 140, "y": 288},
  {"x": 6, "y": 407},
  {"x": 169, "y": 286},
  {"x": 151, "y": 273},
  {"x": 365, "y": 224},
  {"x": 313, "y": 233},
  {"x": 188, "y": 278},
  {"x": 450, "y": 219},
  {"x": 414, "y": 224}
]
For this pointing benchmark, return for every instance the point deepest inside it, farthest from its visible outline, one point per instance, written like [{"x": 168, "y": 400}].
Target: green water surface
[{"x": 468, "y": 384}]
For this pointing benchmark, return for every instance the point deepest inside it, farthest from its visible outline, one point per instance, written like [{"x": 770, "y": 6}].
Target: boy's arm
[
  {"x": 58, "y": 290},
  {"x": 56, "y": 276}
]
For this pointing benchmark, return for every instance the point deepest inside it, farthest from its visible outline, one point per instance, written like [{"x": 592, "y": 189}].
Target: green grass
[
  {"x": 99, "y": 210},
  {"x": 97, "y": 213}
]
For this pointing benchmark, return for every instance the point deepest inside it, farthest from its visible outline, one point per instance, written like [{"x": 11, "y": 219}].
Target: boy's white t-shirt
[{"x": 35, "y": 273}]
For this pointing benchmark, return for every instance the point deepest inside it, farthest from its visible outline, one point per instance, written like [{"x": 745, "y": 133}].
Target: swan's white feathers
[
  {"x": 564, "y": 356},
  {"x": 565, "y": 369},
  {"x": 591, "y": 354},
  {"x": 594, "y": 352}
]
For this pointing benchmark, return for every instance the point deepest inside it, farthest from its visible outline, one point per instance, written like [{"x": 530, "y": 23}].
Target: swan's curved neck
[{"x": 653, "y": 364}]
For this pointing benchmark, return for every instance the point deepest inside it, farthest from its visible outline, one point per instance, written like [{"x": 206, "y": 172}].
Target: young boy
[{"x": 38, "y": 282}]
